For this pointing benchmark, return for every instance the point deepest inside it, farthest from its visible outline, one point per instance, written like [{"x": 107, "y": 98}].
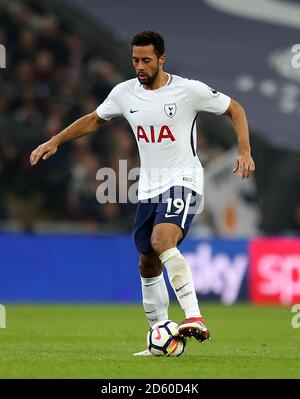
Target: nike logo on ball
[
  {"x": 158, "y": 337},
  {"x": 133, "y": 110}
]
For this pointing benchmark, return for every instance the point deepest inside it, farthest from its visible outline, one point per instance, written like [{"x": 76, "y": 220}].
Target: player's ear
[{"x": 162, "y": 59}]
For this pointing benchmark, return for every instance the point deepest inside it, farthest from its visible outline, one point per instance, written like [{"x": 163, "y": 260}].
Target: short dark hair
[{"x": 149, "y": 37}]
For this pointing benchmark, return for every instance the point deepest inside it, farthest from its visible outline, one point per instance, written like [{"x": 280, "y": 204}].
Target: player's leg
[
  {"x": 164, "y": 241},
  {"x": 166, "y": 235},
  {"x": 154, "y": 289}
]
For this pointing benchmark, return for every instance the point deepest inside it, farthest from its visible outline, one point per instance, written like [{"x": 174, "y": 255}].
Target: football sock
[
  {"x": 155, "y": 298},
  {"x": 181, "y": 280}
]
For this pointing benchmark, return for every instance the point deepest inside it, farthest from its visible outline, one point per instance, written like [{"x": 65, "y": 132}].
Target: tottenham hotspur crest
[{"x": 170, "y": 109}]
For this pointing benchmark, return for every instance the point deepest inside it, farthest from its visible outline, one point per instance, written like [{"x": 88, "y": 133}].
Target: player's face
[{"x": 146, "y": 63}]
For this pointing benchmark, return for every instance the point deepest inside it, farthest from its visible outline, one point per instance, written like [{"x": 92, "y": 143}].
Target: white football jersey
[{"x": 164, "y": 124}]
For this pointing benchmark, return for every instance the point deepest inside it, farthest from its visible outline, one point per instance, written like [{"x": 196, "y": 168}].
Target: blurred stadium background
[{"x": 57, "y": 243}]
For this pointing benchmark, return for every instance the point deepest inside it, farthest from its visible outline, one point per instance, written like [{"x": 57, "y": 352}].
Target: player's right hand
[{"x": 44, "y": 151}]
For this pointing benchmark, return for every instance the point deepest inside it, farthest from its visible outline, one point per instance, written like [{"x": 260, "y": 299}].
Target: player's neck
[{"x": 160, "y": 81}]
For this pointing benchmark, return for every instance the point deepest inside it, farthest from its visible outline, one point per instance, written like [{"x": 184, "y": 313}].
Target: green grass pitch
[{"x": 97, "y": 341}]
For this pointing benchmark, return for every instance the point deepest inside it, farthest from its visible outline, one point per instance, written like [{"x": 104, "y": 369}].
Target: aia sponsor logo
[
  {"x": 275, "y": 271},
  {"x": 154, "y": 135}
]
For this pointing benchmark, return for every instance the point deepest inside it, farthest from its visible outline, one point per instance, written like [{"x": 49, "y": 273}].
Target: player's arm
[
  {"x": 244, "y": 164},
  {"x": 82, "y": 126}
]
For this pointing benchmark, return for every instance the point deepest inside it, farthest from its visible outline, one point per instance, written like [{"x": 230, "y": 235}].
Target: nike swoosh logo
[
  {"x": 150, "y": 312},
  {"x": 170, "y": 216},
  {"x": 158, "y": 337},
  {"x": 133, "y": 110},
  {"x": 178, "y": 289}
]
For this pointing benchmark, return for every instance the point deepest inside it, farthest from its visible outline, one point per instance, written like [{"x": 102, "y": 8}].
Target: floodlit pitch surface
[{"x": 97, "y": 341}]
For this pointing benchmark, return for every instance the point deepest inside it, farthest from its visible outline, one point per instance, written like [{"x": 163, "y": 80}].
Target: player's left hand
[{"x": 244, "y": 165}]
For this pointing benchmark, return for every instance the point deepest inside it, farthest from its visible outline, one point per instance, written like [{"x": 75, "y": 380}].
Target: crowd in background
[{"x": 52, "y": 78}]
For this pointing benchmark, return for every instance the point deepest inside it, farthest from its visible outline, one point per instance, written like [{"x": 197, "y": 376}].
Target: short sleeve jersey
[{"x": 164, "y": 124}]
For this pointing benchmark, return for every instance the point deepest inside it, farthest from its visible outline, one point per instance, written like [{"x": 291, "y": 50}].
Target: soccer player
[{"x": 161, "y": 109}]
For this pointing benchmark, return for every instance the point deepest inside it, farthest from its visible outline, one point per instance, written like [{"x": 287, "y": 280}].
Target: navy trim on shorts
[{"x": 192, "y": 136}]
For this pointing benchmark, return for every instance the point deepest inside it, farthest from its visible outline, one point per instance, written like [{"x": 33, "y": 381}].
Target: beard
[{"x": 148, "y": 79}]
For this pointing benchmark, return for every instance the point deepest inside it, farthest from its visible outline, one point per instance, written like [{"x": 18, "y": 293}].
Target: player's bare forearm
[
  {"x": 244, "y": 165},
  {"x": 81, "y": 127}
]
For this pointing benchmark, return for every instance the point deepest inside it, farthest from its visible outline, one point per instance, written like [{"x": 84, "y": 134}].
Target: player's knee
[
  {"x": 150, "y": 266},
  {"x": 144, "y": 266},
  {"x": 160, "y": 243}
]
